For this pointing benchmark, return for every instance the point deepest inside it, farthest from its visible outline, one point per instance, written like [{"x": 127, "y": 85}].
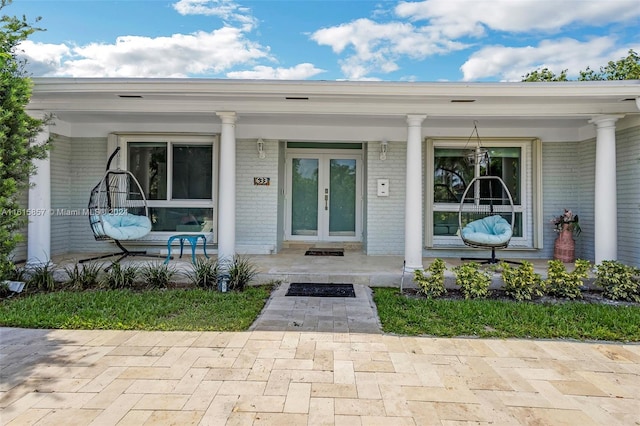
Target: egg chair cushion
[
  {"x": 490, "y": 231},
  {"x": 123, "y": 226}
]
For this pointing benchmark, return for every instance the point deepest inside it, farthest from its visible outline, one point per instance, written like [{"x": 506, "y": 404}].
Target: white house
[{"x": 263, "y": 165}]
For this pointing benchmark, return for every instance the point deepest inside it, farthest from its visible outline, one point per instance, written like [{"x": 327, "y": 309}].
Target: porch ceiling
[{"x": 195, "y": 101}]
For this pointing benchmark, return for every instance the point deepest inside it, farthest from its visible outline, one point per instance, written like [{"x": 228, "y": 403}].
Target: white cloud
[
  {"x": 425, "y": 28},
  {"x": 299, "y": 72},
  {"x": 377, "y": 47},
  {"x": 42, "y": 58},
  {"x": 228, "y": 10},
  {"x": 179, "y": 55},
  {"x": 512, "y": 63},
  {"x": 469, "y": 17}
]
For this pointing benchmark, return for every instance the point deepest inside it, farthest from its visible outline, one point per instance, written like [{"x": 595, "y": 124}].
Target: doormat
[
  {"x": 324, "y": 252},
  {"x": 321, "y": 290}
]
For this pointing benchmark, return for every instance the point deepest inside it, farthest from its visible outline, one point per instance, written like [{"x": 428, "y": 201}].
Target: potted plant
[{"x": 566, "y": 225}]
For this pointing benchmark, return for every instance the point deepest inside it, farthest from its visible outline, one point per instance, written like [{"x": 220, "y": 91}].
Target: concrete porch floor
[{"x": 291, "y": 265}]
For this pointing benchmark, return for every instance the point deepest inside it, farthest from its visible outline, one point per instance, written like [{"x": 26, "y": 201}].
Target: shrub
[
  {"x": 618, "y": 281},
  {"x": 241, "y": 271},
  {"x": 17, "y": 273},
  {"x": 521, "y": 283},
  {"x": 83, "y": 277},
  {"x": 431, "y": 285},
  {"x": 4, "y": 290},
  {"x": 119, "y": 276},
  {"x": 204, "y": 273},
  {"x": 157, "y": 275},
  {"x": 18, "y": 129},
  {"x": 473, "y": 282},
  {"x": 561, "y": 283},
  {"x": 41, "y": 276}
]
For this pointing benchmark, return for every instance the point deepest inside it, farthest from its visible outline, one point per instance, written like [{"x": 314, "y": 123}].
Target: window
[
  {"x": 177, "y": 176},
  {"x": 448, "y": 172}
]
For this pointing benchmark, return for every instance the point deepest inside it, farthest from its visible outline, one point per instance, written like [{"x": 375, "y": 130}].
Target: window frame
[
  {"x": 530, "y": 198},
  {"x": 122, "y": 141}
]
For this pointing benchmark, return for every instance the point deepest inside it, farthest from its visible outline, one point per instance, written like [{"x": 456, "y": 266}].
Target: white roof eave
[{"x": 564, "y": 99}]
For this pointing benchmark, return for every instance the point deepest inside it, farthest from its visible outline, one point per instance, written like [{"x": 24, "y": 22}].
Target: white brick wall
[
  {"x": 385, "y": 215},
  {"x": 88, "y": 162},
  {"x": 61, "y": 170},
  {"x": 586, "y": 150},
  {"x": 569, "y": 181},
  {"x": 561, "y": 171},
  {"x": 628, "y": 182},
  {"x": 256, "y": 206}
]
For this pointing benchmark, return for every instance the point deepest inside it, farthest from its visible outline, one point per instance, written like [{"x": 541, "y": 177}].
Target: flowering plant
[{"x": 569, "y": 219}]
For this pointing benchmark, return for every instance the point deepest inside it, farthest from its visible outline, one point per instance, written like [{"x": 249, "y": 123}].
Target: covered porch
[
  {"x": 292, "y": 265},
  {"x": 570, "y": 145}
]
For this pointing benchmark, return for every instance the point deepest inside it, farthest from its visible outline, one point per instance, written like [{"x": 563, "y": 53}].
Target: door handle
[{"x": 326, "y": 198}]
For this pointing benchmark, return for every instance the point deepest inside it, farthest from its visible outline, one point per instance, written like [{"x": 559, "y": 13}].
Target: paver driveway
[{"x": 298, "y": 378}]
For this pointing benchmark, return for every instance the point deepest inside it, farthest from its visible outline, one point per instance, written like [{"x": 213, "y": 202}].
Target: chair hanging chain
[{"x": 477, "y": 155}]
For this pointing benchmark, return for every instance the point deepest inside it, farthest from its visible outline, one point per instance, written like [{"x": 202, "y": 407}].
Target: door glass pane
[
  {"x": 304, "y": 196},
  {"x": 342, "y": 197},
  {"x": 191, "y": 172},
  {"x": 148, "y": 163}
]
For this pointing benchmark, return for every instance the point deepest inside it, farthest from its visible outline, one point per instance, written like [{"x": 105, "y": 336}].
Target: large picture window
[
  {"x": 449, "y": 171},
  {"x": 177, "y": 176}
]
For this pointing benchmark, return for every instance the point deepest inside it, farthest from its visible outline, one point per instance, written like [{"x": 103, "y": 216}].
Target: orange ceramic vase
[{"x": 565, "y": 246}]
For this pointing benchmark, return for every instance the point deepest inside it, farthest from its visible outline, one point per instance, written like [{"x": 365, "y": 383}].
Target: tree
[
  {"x": 627, "y": 68},
  {"x": 17, "y": 130},
  {"x": 545, "y": 74}
]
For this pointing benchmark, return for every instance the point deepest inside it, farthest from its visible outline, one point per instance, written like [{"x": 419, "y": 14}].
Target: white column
[
  {"x": 227, "y": 187},
  {"x": 605, "y": 199},
  {"x": 39, "y": 209},
  {"x": 413, "y": 197}
]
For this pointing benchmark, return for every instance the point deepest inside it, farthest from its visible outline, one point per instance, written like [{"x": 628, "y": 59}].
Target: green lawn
[
  {"x": 404, "y": 315},
  {"x": 196, "y": 309},
  {"x": 192, "y": 309}
]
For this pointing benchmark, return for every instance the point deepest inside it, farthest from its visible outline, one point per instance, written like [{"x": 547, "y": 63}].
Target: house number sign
[{"x": 261, "y": 181}]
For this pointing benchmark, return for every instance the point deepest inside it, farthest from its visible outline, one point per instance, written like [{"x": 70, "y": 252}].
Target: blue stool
[{"x": 193, "y": 240}]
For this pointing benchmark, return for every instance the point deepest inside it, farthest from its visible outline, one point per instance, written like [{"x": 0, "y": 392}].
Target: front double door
[{"x": 324, "y": 197}]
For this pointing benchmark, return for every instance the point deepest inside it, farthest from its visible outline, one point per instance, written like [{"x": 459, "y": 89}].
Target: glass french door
[{"x": 324, "y": 197}]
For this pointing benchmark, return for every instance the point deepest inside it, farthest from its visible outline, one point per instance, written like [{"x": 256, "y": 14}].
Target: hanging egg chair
[
  {"x": 486, "y": 216},
  {"x": 118, "y": 210}
]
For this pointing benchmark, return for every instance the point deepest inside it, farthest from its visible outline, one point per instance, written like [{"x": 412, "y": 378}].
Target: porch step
[{"x": 303, "y": 246}]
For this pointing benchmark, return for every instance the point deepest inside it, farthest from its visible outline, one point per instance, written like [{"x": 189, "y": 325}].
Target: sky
[{"x": 430, "y": 40}]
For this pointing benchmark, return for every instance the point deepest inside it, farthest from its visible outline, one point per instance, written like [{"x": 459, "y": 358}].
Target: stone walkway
[{"x": 327, "y": 314}]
